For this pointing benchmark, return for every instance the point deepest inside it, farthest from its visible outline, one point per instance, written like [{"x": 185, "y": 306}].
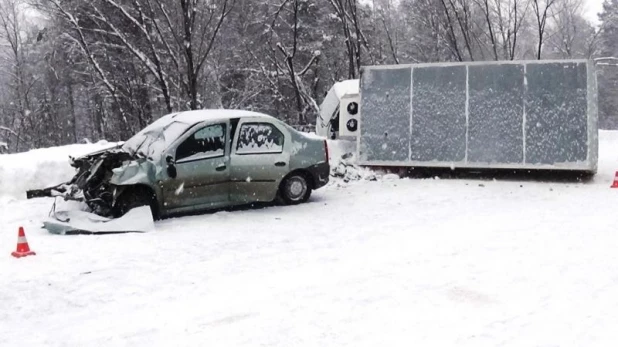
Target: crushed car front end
[
  {"x": 91, "y": 183},
  {"x": 103, "y": 175}
]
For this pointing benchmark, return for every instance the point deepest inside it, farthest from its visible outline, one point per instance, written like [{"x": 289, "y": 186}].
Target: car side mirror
[
  {"x": 171, "y": 168},
  {"x": 171, "y": 171}
]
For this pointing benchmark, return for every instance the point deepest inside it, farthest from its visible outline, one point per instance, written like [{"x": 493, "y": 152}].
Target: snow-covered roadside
[
  {"x": 44, "y": 167},
  {"x": 410, "y": 262},
  {"x": 40, "y": 168}
]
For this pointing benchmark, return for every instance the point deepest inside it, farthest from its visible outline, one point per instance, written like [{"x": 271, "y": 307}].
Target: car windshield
[{"x": 153, "y": 140}]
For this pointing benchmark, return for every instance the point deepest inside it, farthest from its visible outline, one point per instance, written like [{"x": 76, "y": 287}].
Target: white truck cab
[{"x": 339, "y": 112}]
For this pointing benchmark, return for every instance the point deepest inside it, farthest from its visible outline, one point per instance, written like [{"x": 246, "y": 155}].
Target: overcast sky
[{"x": 592, "y": 7}]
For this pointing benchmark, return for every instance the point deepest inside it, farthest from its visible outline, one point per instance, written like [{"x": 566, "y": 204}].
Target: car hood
[{"x": 75, "y": 161}]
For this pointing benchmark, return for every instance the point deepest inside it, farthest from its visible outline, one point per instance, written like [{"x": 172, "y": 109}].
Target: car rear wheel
[
  {"x": 295, "y": 189},
  {"x": 135, "y": 197}
]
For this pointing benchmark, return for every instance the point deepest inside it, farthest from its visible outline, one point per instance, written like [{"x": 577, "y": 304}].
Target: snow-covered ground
[{"x": 391, "y": 262}]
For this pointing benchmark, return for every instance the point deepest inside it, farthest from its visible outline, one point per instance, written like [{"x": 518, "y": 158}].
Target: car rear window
[{"x": 259, "y": 138}]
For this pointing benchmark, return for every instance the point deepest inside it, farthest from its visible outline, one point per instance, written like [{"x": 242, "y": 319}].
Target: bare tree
[
  {"x": 80, "y": 39},
  {"x": 347, "y": 12},
  {"x": 542, "y": 12},
  {"x": 171, "y": 39},
  {"x": 571, "y": 35},
  {"x": 388, "y": 16},
  {"x": 485, "y": 6},
  {"x": 503, "y": 20},
  {"x": 462, "y": 32},
  {"x": 511, "y": 19},
  {"x": 286, "y": 59},
  {"x": 19, "y": 109},
  {"x": 427, "y": 38}
]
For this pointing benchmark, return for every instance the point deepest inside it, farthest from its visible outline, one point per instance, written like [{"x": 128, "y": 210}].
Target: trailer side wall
[{"x": 530, "y": 115}]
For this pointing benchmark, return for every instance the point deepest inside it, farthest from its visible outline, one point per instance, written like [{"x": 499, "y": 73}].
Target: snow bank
[
  {"x": 342, "y": 154},
  {"x": 40, "y": 168}
]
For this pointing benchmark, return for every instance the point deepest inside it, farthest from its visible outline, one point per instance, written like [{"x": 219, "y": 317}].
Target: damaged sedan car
[{"x": 199, "y": 160}]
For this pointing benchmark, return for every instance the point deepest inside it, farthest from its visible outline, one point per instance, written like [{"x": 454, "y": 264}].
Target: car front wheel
[
  {"x": 135, "y": 197},
  {"x": 295, "y": 189}
]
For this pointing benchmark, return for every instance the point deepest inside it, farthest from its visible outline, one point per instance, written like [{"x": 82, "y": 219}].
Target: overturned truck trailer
[{"x": 497, "y": 115}]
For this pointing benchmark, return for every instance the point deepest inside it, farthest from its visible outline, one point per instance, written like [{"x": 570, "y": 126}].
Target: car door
[
  {"x": 201, "y": 164},
  {"x": 258, "y": 161}
]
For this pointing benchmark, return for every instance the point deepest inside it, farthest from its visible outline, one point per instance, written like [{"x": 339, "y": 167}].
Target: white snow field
[{"x": 410, "y": 262}]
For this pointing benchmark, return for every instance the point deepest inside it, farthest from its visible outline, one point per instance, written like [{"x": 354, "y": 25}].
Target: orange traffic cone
[
  {"x": 615, "y": 184},
  {"x": 23, "y": 249}
]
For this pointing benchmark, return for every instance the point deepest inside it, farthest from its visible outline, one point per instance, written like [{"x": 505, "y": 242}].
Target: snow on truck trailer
[{"x": 533, "y": 115}]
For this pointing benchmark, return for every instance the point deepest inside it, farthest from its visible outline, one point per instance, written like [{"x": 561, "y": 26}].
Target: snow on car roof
[
  {"x": 196, "y": 116},
  {"x": 174, "y": 124}
]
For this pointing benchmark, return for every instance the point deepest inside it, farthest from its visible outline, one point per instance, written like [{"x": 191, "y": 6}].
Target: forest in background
[{"x": 82, "y": 70}]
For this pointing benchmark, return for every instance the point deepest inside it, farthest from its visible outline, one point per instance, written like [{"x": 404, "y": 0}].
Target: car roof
[{"x": 197, "y": 116}]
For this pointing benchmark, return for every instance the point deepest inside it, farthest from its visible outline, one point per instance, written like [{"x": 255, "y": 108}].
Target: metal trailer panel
[
  {"x": 439, "y": 109},
  {"x": 556, "y": 108},
  {"x": 511, "y": 115},
  {"x": 593, "y": 118},
  {"x": 495, "y": 91},
  {"x": 386, "y": 130}
]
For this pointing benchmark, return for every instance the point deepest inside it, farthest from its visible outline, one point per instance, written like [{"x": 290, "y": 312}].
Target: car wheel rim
[{"x": 296, "y": 189}]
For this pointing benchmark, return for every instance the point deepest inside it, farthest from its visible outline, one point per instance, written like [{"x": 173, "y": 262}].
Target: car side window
[
  {"x": 207, "y": 142},
  {"x": 259, "y": 138}
]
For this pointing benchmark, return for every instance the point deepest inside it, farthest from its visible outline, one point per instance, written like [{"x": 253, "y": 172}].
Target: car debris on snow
[{"x": 77, "y": 222}]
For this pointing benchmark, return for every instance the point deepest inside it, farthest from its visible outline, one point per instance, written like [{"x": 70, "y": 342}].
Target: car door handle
[
  {"x": 221, "y": 167},
  {"x": 280, "y": 163}
]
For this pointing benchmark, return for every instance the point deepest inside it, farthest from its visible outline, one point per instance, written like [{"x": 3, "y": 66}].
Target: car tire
[
  {"x": 294, "y": 189},
  {"x": 135, "y": 197}
]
